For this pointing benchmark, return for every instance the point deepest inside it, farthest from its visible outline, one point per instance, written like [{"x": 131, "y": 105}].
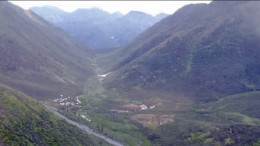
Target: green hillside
[
  {"x": 23, "y": 121},
  {"x": 232, "y": 120},
  {"x": 203, "y": 51}
]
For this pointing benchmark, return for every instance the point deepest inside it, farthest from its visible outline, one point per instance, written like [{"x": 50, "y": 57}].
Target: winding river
[{"x": 83, "y": 127}]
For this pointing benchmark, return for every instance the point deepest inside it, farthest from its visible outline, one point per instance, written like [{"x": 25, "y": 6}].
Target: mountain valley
[{"x": 190, "y": 78}]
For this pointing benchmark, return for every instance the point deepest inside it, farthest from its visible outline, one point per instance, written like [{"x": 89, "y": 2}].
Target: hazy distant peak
[
  {"x": 136, "y": 13},
  {"x": 161, "y": 15},
  {"x": 49, "y": 13},
  {"x": 93, "y": 10},
  {"x": 118, "y": 14},
  {"x": 48, "y": 8}
]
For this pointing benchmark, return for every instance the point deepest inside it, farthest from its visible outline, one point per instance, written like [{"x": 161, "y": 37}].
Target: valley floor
[{"x": 162, "y": 119}]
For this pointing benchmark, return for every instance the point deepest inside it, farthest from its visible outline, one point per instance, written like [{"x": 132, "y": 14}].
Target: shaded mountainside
[
  {"x": 25, "y": 122},
  {"x": 99, "y": 29},
  {"x": 203, "y": 50},
  {"x": 38, "y": 58}
]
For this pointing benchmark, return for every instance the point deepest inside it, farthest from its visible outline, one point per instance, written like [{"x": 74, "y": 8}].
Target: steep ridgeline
[
  {"x": 25, "y": 122},
  {"x": 203, "y": 51},
  {"x": 99, "y": 29},
  {"x": 38, "y": 58}
]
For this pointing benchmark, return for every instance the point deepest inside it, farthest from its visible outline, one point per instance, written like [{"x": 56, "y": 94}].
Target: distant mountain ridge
[{"x": 99, "y": 29}]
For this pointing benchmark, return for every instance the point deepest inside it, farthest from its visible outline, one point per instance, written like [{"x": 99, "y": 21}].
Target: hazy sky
[{"x": 151, "y": 7}]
